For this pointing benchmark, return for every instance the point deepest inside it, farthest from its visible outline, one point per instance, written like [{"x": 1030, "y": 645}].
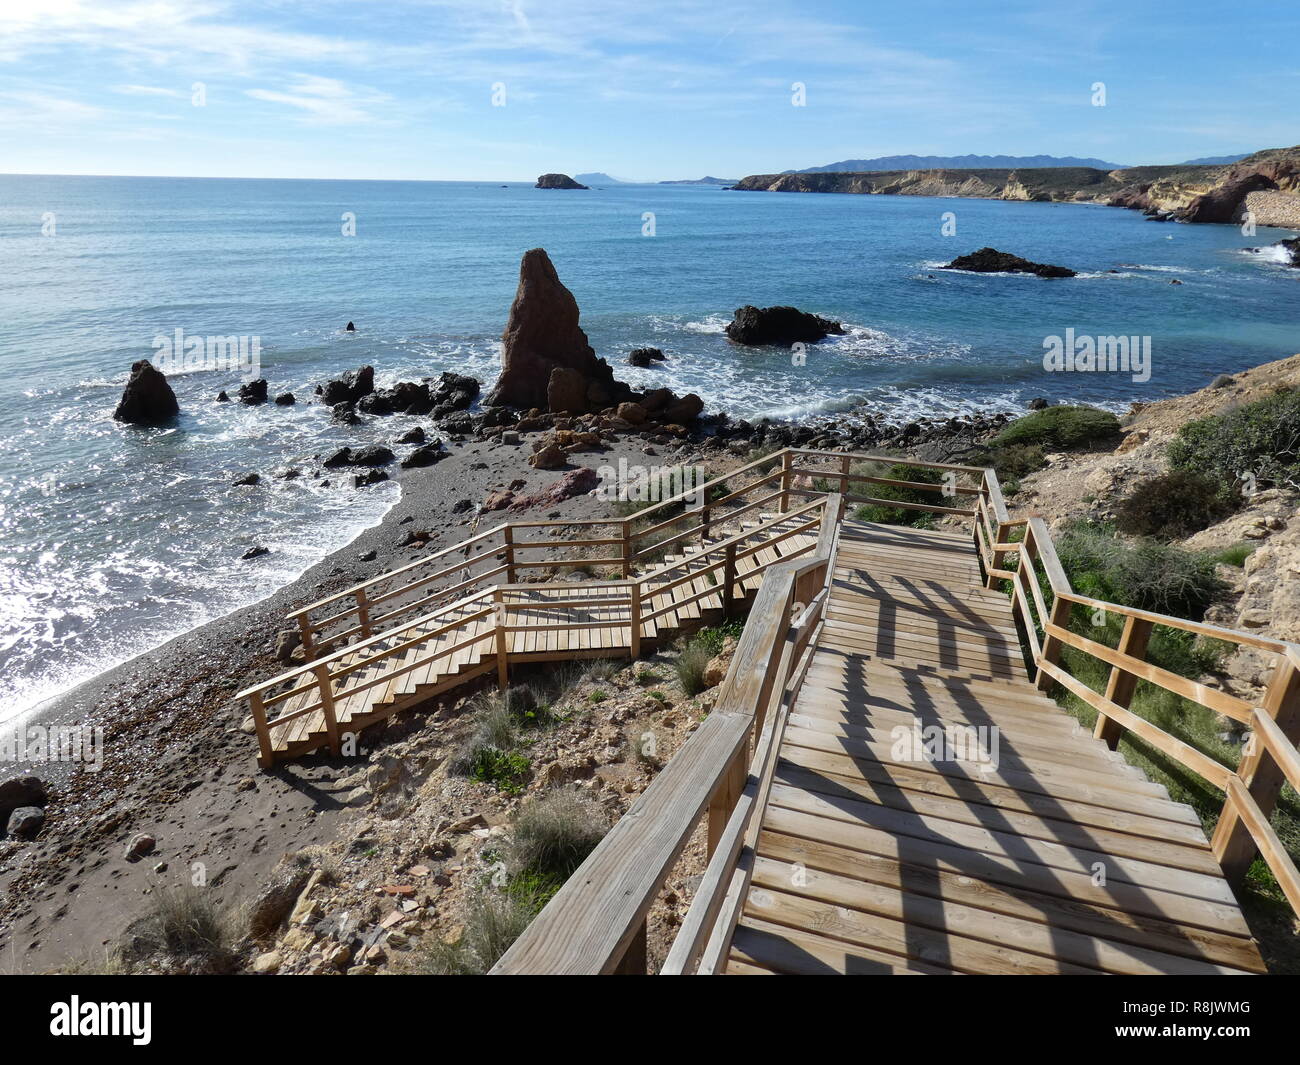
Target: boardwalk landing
[{"x": 1063, "y": 859}]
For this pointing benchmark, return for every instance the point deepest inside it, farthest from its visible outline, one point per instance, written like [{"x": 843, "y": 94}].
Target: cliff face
[{"x": 1188, "y": 193}]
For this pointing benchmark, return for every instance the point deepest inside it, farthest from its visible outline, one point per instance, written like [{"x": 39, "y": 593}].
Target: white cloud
[{"x": 325, "y": 101}]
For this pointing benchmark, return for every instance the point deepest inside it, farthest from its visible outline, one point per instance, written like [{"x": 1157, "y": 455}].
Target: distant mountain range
[
  {"x": 957, "y": 162},
  {"x": 1216, "y": 160},
  {"x": 597, "y": 178},
  {"x": 702, "y": 181}
]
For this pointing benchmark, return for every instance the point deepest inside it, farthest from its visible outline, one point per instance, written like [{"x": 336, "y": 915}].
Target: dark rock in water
[
  {"x": 247, "y": 479},
  {"x": 645, "y": 357},
  {"x": 361, "y": 480},
  {"x": 1291, "y": 248},
  {"x": 374, "y": 455},
  {"x": 285, "y": 399},
  {"x": 222, "y": 397},
  {"x": 424, "y": 456},
  {"x": 412, "y": 436},
  {"x": 253, "y": 393},
  {"x": 25, "y": 822},
  {"x": 454, "y": 392},
  {"x": 350, "y": 328},
  {"x": 557, "y": 181},
  {"x": 21, "y": 791},
  {"x": 1175, "y": 281},
  {"x": 781, "y": 326},
  {"x": 542, "y": 334},
  {"x": 1039, "y": 403},
  {"x": 342, "y": 457},
  {"x": 147, "y": 398},
  {"x": 349, "y": 388},
  {"x": 992, "y": 261},
  {"x": 343, "y": 412},
  {"x": 255, "y": 552}
]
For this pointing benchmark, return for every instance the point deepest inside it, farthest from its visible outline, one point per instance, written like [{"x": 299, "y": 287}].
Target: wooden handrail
[{"x": 595, "y": 919}]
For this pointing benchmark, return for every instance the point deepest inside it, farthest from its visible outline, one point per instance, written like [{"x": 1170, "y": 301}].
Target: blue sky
[{"x": 643, "y": 90}]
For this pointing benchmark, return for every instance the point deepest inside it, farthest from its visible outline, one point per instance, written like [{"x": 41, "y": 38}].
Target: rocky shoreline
[{"x": 1267, "y": 184}]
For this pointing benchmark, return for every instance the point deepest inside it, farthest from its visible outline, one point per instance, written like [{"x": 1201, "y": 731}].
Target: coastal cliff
[{"x": 1269, "y": 180}]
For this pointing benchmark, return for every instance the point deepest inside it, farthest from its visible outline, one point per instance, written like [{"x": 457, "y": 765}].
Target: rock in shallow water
[
  {"x": 992, "y": 261},
  {"x": 780, "y": 326},
  {"x": 147, "y": 398}
]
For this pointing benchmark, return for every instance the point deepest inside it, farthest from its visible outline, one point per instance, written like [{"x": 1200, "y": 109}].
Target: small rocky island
[
  {"x": 779, "y": 326},
  {"x": 558, "y": 181},
  {"x": 992, "y": 261}
]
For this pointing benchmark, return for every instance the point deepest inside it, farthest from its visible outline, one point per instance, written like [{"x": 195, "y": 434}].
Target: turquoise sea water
[{"x": 113, "y": 538}]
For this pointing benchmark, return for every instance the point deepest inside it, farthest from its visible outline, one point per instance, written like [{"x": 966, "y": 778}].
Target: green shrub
[
  {"x": 1059, "y": 427},
  {"x": 690, "y": 666},
  {"x": 493, "y": 921},
  {"x": 1148, "y": 575},
  {"x": 1172, "y": 506},
  {"x": 715, "y": 636},
  {"x": 1260, "y": 438},
  {"x": 505, "y": 770},
  {"x": 1015, "y": 461},
  {"x": 1235, "y": 555},
  {"x": 555, "y": 833},
  {"x": 887, "y": 515},
  {"x": 186, "y": 928}
]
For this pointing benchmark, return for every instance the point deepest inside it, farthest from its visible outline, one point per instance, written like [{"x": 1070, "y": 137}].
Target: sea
[{"x": 115, "y": 538}]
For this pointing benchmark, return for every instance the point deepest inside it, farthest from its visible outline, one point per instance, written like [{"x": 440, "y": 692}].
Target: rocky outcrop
[
  {"x": 542, "y": 335},
  {"x": 557, "y": 181},
  {"x": 645, "y": 357},
  {"x": 992, "y": 261},
  {"x": 349, "y": 388},
  {"x": 1226, "y": 202},
  {"x": 780, "y": 326},
  {"x": 254, "y": 393},
  {"x": 1191, "y": 193},
  {"x": 147, "y": 399}
]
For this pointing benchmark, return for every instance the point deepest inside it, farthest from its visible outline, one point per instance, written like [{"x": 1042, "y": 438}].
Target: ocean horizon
[{"x": 116, "y": 538}]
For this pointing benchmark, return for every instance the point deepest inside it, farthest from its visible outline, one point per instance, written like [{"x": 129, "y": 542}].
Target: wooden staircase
[{"x": 452, "y": 644}]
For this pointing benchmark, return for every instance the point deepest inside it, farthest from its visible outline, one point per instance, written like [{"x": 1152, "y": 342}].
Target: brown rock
[
  {"x": 566, "y": 391},
  {"x": 147, "y": 398},
  {"x": 542, "y": 333},
  {"x": 549, "y": 457},
  {"x": 632, "y": 412}
]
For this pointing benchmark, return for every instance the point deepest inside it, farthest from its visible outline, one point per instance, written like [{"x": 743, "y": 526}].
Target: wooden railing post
[
  {"x": 728, "y": 579},
  {"x": 726, "y": 796},
  {"x": 1121, "y": 685},
  {"x": 266, "y": 756},
  {"x": 508, "y": 538},
  {"x": 308, "y": 637},
  {"x": 499, "y": 613},
  {"x": 1051, "y": 653},
  {"x": 626, "y": 548},
  {"x": 326, "y": 686},
  {"x": 363, "y": 612},
  {"x": 1233, "y": 844},
  {"x": 787, "y": 467},
  {"x": 634, "y": 620},
  {"x": 633, "y": 962}
]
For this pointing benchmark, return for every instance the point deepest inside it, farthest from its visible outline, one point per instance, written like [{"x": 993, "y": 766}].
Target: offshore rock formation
[
  {"x": 546, "y": 360},
  {"x": 557, "y": 181},
  {"x": 781, "y": 326},
  {"x": 147, "y": 398},
  {"x": 992, "y": 261}
]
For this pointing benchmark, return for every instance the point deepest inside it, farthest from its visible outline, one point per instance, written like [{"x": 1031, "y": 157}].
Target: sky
[{"x": 645, "y": 90}]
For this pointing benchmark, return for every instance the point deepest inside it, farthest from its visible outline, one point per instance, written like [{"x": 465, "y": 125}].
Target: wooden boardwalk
[{"x": 1021, "y": 845}]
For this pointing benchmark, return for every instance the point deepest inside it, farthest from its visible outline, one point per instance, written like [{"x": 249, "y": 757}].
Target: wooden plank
[
  {"x": 970, "y": 938},
  {"x": 795, "y": 952},
  {"x": 922, "y": 880}
]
